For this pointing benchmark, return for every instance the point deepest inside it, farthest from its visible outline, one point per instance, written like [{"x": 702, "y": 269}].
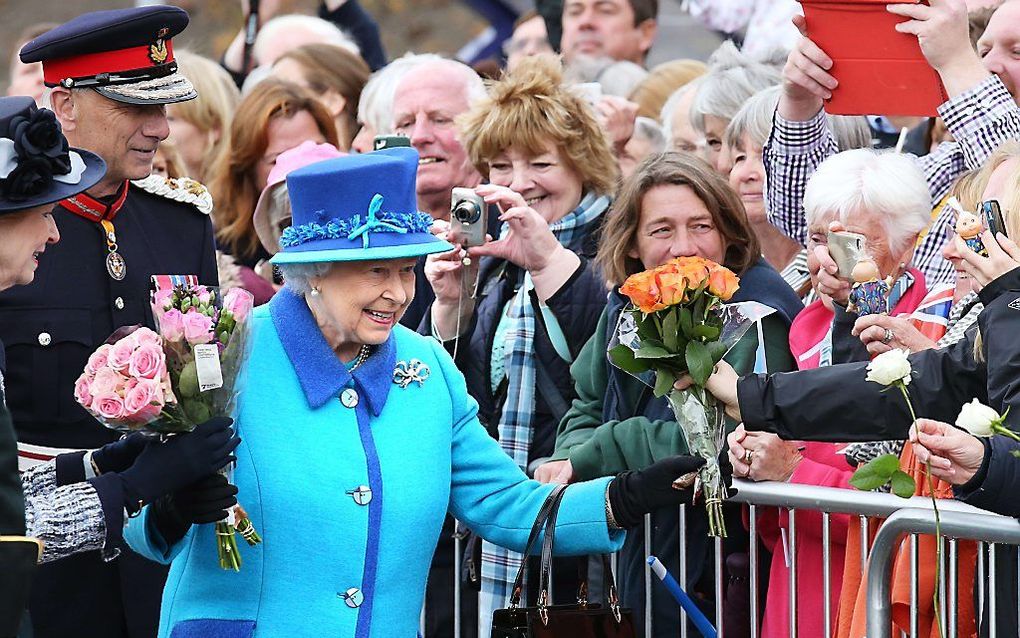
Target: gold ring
[
  {"x": 685, "y": 481},
  {"x": 748, "y": 456}
]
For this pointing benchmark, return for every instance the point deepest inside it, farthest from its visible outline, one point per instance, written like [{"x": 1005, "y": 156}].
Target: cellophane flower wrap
[
  {"x": 679, "y": 324},
  {"x": 170, "y": 380}
]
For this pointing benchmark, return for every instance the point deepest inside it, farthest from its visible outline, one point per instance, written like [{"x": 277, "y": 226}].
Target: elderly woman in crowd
[
  {"x": 77, "y": 501},
  {"x": 359, "y": 435},
  {"x": 676, "y": 120},
  {"x": 275, "y": 117},
  {"x": 883, "y": 197},
  {"x": 743, "y": 143},
  {"x": 335, "y": 76},
  {"x": 732, "y": 78},
  {"x": 199, "y": 127},
  {"x": 673, "y": 205},
  {"x": 551, "y": 173}
]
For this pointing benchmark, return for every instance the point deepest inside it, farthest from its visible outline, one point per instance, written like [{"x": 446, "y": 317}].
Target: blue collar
[{"x": 321, "y": 373}]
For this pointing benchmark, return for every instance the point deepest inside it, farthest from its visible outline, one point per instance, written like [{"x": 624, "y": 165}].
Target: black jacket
[
  {"x": 577, "y": 306},
  {"x": 836, "y": 403},
  {"x": 50, "y": 328}
]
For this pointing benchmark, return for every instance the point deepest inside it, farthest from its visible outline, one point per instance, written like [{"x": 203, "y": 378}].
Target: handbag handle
[{"x": 550, "y": 505}]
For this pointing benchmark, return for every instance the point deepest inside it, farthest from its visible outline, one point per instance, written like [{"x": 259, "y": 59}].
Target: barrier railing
[{"x": 912, "y": 516}]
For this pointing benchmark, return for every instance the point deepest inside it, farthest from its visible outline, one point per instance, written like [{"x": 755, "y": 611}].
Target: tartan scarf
[{"x": 500, "y": 565}]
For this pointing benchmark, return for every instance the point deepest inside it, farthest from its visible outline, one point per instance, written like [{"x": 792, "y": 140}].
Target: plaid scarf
[{"x": 500, "y": 565}]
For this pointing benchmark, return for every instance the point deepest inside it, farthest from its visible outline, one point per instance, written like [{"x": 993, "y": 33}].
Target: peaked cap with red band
[{"x": 124, "y": 54}]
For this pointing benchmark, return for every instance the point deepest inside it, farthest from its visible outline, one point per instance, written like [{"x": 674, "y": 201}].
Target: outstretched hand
[
  {"x": 634, "y": 493},
  {"x": 955, "y": 455}
]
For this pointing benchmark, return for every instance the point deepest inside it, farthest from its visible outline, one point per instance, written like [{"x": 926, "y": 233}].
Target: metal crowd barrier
[{"x": 911, "y": 517}]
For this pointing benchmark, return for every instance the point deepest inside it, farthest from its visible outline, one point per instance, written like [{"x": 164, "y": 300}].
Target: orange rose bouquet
[{"x": 679, "y": 324}]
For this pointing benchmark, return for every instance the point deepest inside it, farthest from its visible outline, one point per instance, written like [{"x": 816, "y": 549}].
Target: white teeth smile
[
  {"x": 383, "y": 316},
  {"x": 534, "y": 200},
  {"x": 427, "y": 160}
]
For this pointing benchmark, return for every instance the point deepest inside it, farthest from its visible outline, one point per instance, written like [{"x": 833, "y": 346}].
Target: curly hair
[{"x": 530, "y": 107}]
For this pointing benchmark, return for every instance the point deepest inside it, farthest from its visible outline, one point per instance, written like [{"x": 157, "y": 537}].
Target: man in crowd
[
  {"x": 980, "y": 114},
  {"x": 615, "y": 29},
  {"x": 109, "y": 75}
]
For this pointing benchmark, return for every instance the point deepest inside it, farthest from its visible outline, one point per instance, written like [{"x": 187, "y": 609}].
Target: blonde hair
[
  {"x": 663, "y": 81},
  {"x": 214, "y": 107},
  {"x": 619, "y": 235},
  {"x": 527, "y": 109}
]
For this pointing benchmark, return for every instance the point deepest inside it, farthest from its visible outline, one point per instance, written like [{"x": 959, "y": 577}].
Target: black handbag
[{"x": 579, "y": 620}]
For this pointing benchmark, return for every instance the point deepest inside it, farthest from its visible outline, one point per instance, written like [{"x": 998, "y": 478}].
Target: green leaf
[
  {"x": 717, "y": 350},
  {"x": 649, "y": 351},
  {"x": 670, "y": 328},
  {"x": 687, "y": 322},
  {"x": 645, "y": 327},
  {"x": 902, "y": 484},
  {"x": 664, "y": 380},
  {"x": 876, "y": 473},
  {"x": 706, "y": 332},
  {"x": 699, "y": 362},
  {"x": 623, "y": 358},
  {"x": 886, "y": 465}
]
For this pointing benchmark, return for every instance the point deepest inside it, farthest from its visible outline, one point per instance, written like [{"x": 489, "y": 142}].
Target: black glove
[
  {"x": 634, "y": 493},
  {"x": 120, "y": 455},
  {"x": 205, "y": 501},
  {"x": 166, "y": 467}
]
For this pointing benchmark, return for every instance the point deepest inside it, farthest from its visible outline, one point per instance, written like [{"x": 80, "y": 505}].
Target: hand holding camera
[
  {"x": 830, "y": 283},
  {"x": 529, "y": 244}
]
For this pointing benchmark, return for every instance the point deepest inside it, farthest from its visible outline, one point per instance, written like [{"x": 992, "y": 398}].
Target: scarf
[{"x": 500, "y": 565}]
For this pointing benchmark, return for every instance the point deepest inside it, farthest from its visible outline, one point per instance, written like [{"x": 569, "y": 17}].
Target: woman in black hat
[{"x": 75, "y": 502}]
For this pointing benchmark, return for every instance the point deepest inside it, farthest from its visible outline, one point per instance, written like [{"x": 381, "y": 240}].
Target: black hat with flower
[{"x": 36, "y": 165}]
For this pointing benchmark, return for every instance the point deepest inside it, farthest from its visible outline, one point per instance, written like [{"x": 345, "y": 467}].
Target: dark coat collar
[{"x": 321, "y": 373}]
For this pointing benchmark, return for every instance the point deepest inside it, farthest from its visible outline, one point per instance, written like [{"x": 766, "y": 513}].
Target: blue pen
[{"x": 698, "y": 618}]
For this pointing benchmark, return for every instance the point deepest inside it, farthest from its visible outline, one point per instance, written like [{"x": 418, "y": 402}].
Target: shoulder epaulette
[{"x": 178, "y": 189}]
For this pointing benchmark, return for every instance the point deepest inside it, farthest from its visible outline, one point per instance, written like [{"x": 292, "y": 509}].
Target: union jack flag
[{"x": 932, "y": 316}]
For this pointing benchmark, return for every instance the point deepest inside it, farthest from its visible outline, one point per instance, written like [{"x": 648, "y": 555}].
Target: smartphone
[
  {"x": 467, "y": 218},
  {"x": 993, "y": 217},
  {"x": 846, "y": 249},
  {"x": 379, "y": 142}
]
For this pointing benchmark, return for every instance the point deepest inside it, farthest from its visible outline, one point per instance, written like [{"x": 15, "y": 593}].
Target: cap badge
[{"x": 157, "y": 52}]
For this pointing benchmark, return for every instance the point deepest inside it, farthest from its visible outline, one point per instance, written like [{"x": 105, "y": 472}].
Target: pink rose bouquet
[{"x": 169, "y": 380}]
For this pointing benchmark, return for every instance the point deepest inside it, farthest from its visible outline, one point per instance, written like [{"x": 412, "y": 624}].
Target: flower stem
[{"x": 938, "y": 522}]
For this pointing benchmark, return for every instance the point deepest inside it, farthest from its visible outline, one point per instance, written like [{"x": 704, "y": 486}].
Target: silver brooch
[{"x": 407, "y": 372}]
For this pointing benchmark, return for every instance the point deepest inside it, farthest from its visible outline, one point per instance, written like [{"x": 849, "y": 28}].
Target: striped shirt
[{"x": 979, "y": 119}]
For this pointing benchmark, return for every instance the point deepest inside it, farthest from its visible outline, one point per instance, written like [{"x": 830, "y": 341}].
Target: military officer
[{"x": 109, "y": 75}]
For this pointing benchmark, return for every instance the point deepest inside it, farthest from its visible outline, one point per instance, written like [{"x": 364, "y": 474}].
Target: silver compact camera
[{"x": 467, "y": 218}]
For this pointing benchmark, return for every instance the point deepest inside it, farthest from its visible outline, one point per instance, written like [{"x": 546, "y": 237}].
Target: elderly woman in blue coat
[{"x": 358, "y": 436}]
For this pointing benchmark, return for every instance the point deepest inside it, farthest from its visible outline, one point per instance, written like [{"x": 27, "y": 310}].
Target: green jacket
[{"x": 603, "y": 448}]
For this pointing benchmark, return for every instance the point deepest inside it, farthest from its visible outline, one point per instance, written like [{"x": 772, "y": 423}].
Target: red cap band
[{"x": 113, "y": 62}]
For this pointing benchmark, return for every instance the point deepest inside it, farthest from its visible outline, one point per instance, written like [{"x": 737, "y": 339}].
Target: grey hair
[
  {"x": 473, "y": 87},
  {"x": 324, "y": 29},
  {"x": 669, "y": 108},
  {"x": 298, "y": 277},
  {"x": 648, "y": 129},
  {"x": 864, "y": 180},
  {"x": 732, "y": 78},
  {"x": 850, "y": 131},
  {"x": 754, "y": 119},
  {"x": 620, "y": 78},
  {"x": 375, "y": 107}
]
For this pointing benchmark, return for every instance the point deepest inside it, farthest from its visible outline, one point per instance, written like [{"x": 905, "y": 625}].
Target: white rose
[
  {"x": 977, "y": 418},
  {"x": 890, "y": 367}
]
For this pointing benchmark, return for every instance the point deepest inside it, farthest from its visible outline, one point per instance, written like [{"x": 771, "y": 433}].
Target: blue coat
[{"x": 329, "y": 565}]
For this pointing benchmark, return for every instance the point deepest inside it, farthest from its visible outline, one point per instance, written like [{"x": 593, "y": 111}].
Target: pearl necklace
[{"x": 363, "y": 355}]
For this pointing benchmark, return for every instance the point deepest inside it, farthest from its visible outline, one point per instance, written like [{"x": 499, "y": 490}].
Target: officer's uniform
[{"x": 91, "y": 283}]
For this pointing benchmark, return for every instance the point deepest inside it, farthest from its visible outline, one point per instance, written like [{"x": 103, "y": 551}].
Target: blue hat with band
[{"x": 357, "y": 208}]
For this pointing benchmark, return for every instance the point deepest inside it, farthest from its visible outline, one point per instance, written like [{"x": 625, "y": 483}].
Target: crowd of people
[{"x": 415, "y": 380}]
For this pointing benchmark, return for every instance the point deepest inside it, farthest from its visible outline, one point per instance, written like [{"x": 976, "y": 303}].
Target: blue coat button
[
  {"x": 353, "y": 597},
  {"x": 362, "y": 494},
  {"x": 349, "y": 398}
]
